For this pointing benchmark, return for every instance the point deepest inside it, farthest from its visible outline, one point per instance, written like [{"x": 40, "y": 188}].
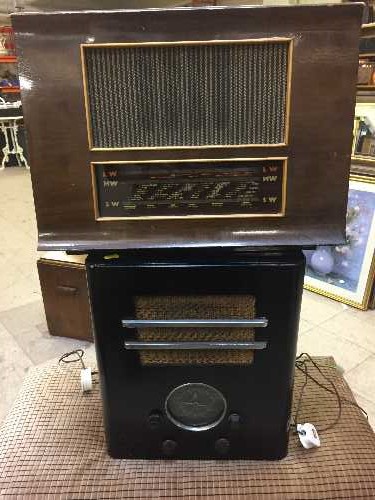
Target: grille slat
[
  {"x": 187, "y": 95},
  {"x": 202, "y": 307}
]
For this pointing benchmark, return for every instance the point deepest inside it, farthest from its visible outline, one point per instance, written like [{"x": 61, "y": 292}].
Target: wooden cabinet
[{"x": 65, "y": 296}]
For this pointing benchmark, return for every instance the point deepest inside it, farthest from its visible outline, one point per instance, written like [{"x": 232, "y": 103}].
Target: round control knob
[
  {"x": 169, "y": 447},
  {"x": 222, "y": 446},
  {"x": 155, "y": 420},
  {"x": 234, "y": 421}
]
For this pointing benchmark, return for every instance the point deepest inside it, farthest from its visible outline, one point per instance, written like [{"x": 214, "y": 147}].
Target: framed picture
[
  {"x": 371, "y": 304},
  {"x": 346, "y": 272}
]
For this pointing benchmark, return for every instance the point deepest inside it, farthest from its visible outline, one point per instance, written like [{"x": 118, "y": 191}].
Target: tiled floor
[{"x": 326, "y": 328}]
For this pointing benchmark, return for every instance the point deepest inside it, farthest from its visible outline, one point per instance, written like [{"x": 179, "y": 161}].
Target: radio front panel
[{"x": 189, "y": 127}]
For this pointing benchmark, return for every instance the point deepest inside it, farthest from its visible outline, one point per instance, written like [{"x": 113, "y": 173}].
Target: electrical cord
[
  {"x": 302, "y": 366},
  {"x": 79, "y": 357}
]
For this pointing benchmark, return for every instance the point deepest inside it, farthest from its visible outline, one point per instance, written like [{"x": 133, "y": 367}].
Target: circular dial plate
[{"x": 195, "y": 406}]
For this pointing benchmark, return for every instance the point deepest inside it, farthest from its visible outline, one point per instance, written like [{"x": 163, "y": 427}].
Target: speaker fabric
[
  {"x": 195, "y": 307},
  {"x": 183, "y": 95}
]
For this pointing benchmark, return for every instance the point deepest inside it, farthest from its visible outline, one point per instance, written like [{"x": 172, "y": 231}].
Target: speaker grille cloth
[
  {"x": 197, "y": 95},
  {"x": 195, "y": 307}
]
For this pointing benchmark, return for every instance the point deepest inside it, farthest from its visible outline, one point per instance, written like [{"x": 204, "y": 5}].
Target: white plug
[
  {"x": 308, "y": 435},
  {"x": 86, "y": 379}
]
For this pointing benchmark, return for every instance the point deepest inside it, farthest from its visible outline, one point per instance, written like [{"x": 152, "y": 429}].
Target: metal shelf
[
  {"x": 368, "y": 30},
  {"x": 10, "y": 90},
  {"x": 366, "y": 87},
  {"x": 8, "y": 59}
]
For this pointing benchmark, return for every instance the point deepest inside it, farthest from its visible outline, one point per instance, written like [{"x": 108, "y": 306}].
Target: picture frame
[
  {"x": 347, "y": 272},
  {"x": 371, "y": 304}
]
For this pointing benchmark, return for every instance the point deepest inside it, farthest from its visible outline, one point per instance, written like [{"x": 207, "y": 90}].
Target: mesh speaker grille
[
  {"x": 195, "y": 307},
  {"x": 187, "y": 95}
]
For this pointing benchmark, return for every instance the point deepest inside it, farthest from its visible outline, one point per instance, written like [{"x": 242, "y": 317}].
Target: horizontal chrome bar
[
  {"x": 195, "y": 323},
  {"x": 241, "y": 346}
]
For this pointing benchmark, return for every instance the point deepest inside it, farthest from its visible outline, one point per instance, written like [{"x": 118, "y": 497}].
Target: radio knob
[
  {"x": 155, "y": 420},
  {"x": 234, "y": 421},
  {"x": 169, "y": 447},
  {"x": 222, "y": 446}
]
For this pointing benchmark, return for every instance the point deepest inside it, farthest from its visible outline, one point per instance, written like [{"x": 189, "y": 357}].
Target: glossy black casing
[{"x": 260, "y": 392}]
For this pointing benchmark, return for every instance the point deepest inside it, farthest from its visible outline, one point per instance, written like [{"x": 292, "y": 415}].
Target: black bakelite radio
[
  {"x": 193, "y": 153},
  {"x": 197, "y": 352}
]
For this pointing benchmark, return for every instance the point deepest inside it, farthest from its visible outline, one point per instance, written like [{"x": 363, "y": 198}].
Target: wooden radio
[{"x": 216, "y": 126}]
